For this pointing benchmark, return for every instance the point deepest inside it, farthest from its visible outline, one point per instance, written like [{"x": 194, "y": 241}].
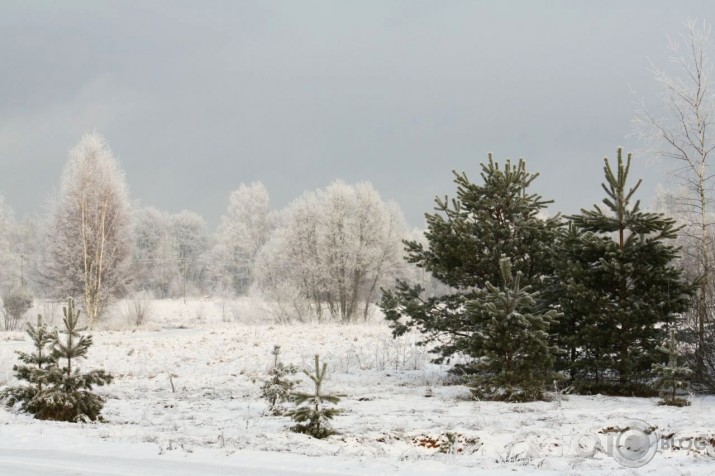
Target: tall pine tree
[
  {"x": 619, "y": 288},
  {"x": 467, "y": 237}
]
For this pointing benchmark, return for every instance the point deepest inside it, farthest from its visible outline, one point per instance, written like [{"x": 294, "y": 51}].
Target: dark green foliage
[
  {"x": 514, "y": 358},
  {"x": 35, "y": 365},
  {"x": 618, "y": 287},
  {"x": 672, "y": 377},
  {"x": 575, "y": 289},
  {"x": 277, "y": 387},
  {"x": 312, "y": 415},
  {"x": 58, "y": 391},
  {"x": 15, "y": 303},
  {"x": 467, "y": 238}
]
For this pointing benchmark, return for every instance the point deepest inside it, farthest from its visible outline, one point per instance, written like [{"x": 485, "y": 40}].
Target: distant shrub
[
  {"x": 138, "y": 308},
  {"x": 16, "y": 302}
]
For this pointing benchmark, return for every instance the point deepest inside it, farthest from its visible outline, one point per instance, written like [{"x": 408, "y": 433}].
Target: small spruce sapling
[
  {"x": 672, "y": 377},
  {"x": 277, "y": 387},
  {"x": 33, "y": 370},
  {"x": 67, "y": 394},
  {"x": 311, "y": 414}
]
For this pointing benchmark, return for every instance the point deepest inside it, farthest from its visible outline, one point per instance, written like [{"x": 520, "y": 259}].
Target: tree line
[{"x": 325, "y": 256}]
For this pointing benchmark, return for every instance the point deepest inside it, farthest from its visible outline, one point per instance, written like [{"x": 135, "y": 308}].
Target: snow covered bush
[
  {"x": 15, "y": 304},
  {"x": 138, "y": 308}
]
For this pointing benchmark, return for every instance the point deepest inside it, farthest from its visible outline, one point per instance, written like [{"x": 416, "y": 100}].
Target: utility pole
[{"x": 23, "y": 257}]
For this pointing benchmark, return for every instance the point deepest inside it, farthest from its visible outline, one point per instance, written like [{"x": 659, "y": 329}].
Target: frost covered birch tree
[
  {"x": 169, "y": 252},
  {"x": 331, "y": 252},
  {"x": 154, "y": 257},
  {"x": 90, "y": 236},
  {"x": 244, "y": 229},
  {"x": 681, "y": 130},
  {"x": 188, "y": 231}
]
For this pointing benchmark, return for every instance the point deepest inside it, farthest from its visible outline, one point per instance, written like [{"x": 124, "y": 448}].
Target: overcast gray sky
[{"x": 196, "y": 97}]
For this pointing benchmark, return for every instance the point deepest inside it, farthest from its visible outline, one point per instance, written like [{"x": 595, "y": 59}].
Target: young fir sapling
[
  {"x": 57, "y": 390},
  {"x": 672, "y": 377},
  {"x": 278, "y": 386},
  {"x": 312, "y": 415},
  {"x": 32, "y": 370}
]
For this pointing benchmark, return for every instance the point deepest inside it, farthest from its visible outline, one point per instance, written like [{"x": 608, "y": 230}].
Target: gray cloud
[{"x": 197, "y": 97}]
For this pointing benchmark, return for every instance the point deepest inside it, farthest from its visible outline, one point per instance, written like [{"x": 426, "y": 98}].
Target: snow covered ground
[{"x": 186, "y": 402}]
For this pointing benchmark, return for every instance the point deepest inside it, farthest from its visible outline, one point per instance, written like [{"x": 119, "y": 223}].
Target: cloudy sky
[{"x": 196, "y": 97}]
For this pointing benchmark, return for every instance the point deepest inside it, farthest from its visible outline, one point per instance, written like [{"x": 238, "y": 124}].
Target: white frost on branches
[
  {"x": 331, "y": 252},
  {"x": 244, "y": 230},
  {"x": 90, "y": 240}
]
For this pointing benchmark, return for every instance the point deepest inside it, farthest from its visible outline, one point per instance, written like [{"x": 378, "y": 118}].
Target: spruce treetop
[
  {"x": 468, "y": 234},
  {"x": 624, "y": 215},
  {"x": 75, "y": 345},
  {"x": 41, "y": 337}
]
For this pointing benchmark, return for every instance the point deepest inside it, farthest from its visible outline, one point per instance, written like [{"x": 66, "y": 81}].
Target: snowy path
[
  {"x": 50, "y": 462},
  {"x": 18, "y": 462}
]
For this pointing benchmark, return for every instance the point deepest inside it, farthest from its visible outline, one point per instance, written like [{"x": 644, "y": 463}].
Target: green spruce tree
[
  {"x": 467, "y": 237},
  {"x": 672, "y": 377},
  {"x": 514, "y": 357},
  {"x": 33, "y": 369},
  {"x": 277, "y": 388},
  {"x": 619, "y": 288},
  {"x": 66, "y": 392},
  {"x": 312, "y": 414}
]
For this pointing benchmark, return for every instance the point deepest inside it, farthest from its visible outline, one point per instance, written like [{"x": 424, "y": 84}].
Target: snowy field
[{"x": 185, "y": 401}]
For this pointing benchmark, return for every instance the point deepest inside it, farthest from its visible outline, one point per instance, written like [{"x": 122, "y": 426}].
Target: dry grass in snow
[{"x": 187, "y": 389}]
